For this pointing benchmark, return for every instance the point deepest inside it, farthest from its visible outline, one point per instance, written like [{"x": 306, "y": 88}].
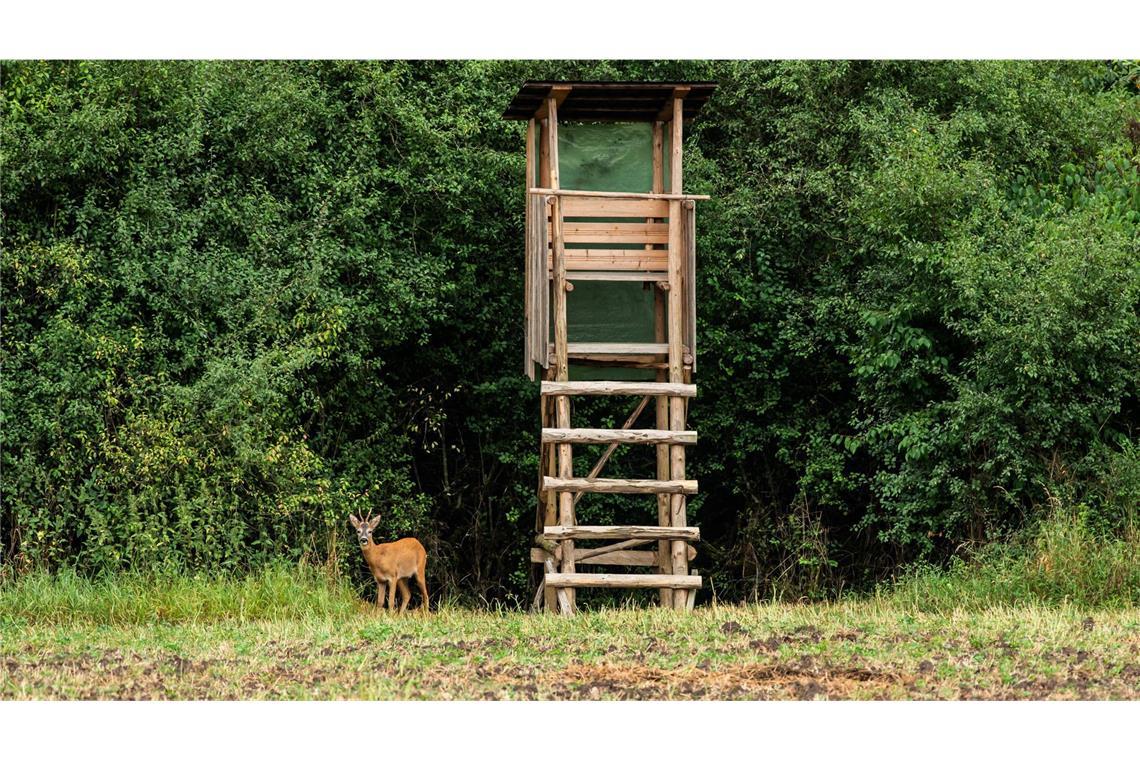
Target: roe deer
[{"x": 392, "y": 563}]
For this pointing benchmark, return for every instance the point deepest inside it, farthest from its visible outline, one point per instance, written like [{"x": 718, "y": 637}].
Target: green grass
[
  {"x": 1061, "y": 561},
  {"x": 278, "y": 593}
]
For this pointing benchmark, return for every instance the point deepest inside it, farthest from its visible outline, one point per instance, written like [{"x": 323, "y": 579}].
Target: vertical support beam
[
  {"x": 679, "y": 549},
  {"x": 562, "y": 403},
  {"x": 664, "y": 518},
  {"x": 664, "y": 515},
  {"x": 552, "y": 140},
  {"x": 550, "y": 498},
  {"x": 544, "y": 153},
  {"x": 531, "y": 277}
]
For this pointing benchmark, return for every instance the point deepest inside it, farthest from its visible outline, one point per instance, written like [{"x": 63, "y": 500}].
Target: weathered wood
[
  {"x": 562, "y": 404},
  {"x": 629, "y": 422},
  {"x": 530, "y": 275},
  {"x": 615, "y": 232},
  {"x": 619, "y": 558},
  {"x": 670, "y": 111},
  {"x": 543, "y": 157},
  {"x": 616, "y": 388},
  {"x": 550, "y": 505},
  {"x": 658, "y": 183},
  {"x": 619, "y": 275},
  {"x": 605, "y": 435},
  {"x": 552, "y": 126},
  {"x": 651, "y": 349},
  {"x": 557, "y": 94},
  {"x": 583, "y": 554},
  {"x": 613, "y": 580},
  {"x": 564, "y": 605},
  {"x": 542, "y": 331},
  {"x": 676, "y": 350},
  {"x": 584, "y": 206},
  {"x": 619, "y": 485},
  {"x": 616, "y": 532},
  {"x": 675, "y": 150},
  {"x": 599, "y": 251},
  {"x": 610, "y": 259},
  {"x": 664, "y": 558},
  {"x": 689, "y": 278},
  {"x": 549, "y": 546},
  {"x": 655, "y": 265},
  {"x": 608, "y": 194}
]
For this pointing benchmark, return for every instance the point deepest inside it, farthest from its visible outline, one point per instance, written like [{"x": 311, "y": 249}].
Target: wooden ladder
[{"x": 556, "y": 549}]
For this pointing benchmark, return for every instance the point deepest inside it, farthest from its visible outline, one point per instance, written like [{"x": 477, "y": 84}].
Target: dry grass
[{"x": 872, "y": 649}]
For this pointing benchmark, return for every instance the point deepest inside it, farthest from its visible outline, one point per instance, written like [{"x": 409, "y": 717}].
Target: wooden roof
[{"x": 609, "y": 101}]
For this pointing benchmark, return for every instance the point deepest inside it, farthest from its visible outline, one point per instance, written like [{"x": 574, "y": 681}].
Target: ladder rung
[
  {"x": 618, "y": 485},
  {"x": 629, "y": 558},
  {"x": 637, "y": 435},
  {"x": 616, "y": 580},
  {"x": 616, "y": 388},
  {"x": 603, "y": 532}
]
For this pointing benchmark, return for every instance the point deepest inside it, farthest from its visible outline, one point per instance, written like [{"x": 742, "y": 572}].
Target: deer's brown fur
[{"x": 392, "y": 564}]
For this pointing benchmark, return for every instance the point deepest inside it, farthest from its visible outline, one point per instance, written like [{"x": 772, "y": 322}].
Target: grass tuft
[{"x": 1061, "y": 562}]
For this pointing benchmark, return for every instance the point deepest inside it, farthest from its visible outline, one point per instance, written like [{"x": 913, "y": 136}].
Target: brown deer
[{"x": 392, "y": 563}]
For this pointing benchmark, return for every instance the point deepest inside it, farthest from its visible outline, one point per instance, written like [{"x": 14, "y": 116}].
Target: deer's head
[{"x": 364, "y": 527}]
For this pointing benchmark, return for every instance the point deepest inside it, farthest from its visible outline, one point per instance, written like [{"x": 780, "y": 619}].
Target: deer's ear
[
  {"x": 355, "y": 521},
  {"x": 374, "y": 522}
]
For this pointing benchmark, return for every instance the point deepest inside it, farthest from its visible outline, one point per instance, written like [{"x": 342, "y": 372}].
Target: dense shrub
[{"x": 244, "y": 299}]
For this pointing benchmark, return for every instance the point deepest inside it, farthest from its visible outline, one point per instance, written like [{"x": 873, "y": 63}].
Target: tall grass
[
  {"x": 275, "y": 594},
  {"x": 1062, "y": 560}
]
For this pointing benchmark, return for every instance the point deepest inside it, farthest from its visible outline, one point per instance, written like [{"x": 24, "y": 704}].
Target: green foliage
[{"x": 243, "y": 299}]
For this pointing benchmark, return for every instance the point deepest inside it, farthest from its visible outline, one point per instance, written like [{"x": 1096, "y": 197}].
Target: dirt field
[{"x": 848, "y": 651}]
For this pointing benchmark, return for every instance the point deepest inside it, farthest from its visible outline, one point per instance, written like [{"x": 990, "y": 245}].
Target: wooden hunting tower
[{"x": 611, "y": 311}]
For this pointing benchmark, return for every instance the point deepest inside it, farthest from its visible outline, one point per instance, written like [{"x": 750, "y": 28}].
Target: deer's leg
[
  {"x": 421, "y": 575},
  {"x": 405, "y": 593},
  {"x": 379, "y": 595},
  {"x": 391, "y": 594}
]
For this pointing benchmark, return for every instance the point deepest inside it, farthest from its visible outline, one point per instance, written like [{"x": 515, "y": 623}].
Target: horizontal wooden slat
[
  {"x": 618, "y": 349},
  {"x": 619, "y": 275},
  {"x": 638, "y": 435},
  {"x": 605, "y": 532},
  {"x": 614, "y": 580},
  {"x": 625, "y": 558},
  {"x": 616, "y": 388},
  {"x": 616, "y": 194},
  {"x": 605, "y": 233},
  {"x": 614, "y": 232},
  {"x": 622, "y": 264},
  {"x": 612, "y": 258},
  {"x": 614, "y": 207}
]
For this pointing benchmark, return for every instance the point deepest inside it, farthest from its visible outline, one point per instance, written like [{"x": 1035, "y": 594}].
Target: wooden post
[
  {"x": 664, "y": 558},
  {"x": 544, "y": 154},
  {"x": 561, "y": 403},
  {"x": 530, "y": 275},
  {"x": 676, "y": 351},
  {"x": 549, "y": 503}
]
